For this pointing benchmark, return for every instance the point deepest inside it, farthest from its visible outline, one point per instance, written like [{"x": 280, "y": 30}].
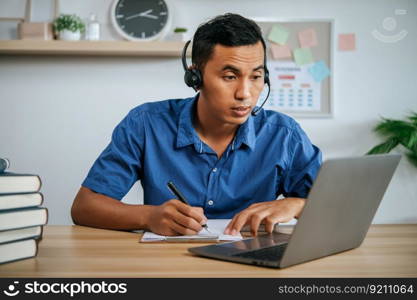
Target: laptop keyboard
[{"x": 271, "y": 253}]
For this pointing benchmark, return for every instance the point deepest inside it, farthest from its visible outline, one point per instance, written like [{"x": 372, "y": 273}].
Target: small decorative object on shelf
[
  {"x": 180, "y": 34},
  {"x": 93, "y": 29},
  {"x": 69, "y": 27},
  {"x": 35, "y": 31},
  {"x": 28, "y": 30}
]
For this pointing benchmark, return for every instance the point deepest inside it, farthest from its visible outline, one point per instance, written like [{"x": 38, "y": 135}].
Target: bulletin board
[{"x": 300, "y": 63}]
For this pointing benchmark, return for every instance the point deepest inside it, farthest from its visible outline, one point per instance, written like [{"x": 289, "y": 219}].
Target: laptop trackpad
[{"x": 260, "y": 241}]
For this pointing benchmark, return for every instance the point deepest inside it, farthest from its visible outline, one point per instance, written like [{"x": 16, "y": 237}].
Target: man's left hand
[{"x": 268, "y": 213}]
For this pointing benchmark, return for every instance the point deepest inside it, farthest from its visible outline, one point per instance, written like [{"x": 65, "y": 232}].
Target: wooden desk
[{"x": 76, "y": 251}]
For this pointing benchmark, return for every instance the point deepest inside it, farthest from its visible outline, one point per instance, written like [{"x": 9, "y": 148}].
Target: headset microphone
[{"x": 257, "y": 110}]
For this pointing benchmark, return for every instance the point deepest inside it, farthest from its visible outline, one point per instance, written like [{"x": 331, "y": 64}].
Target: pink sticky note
[
  {"x": 279, "y": 51},
  {"x": 307, "y": 38},
  {"x": 347, "y": 42}
]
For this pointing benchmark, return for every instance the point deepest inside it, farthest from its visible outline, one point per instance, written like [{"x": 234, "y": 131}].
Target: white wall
[{"x": 57, "y": 113}]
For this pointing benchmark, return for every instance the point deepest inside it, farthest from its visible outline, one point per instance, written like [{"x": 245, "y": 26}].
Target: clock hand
[
  {"x": 150, "y": 16},
  {"x": 146, "y": 12},
  {"x": 134, "y": 16},
  {"x": 142, "y": 14}
]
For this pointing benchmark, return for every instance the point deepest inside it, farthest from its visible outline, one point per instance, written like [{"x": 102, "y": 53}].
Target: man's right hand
[{"x": 175, "y": 218}]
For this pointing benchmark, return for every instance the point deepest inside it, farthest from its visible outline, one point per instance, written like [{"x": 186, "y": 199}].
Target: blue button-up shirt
[{"x": 156, "y": 143}]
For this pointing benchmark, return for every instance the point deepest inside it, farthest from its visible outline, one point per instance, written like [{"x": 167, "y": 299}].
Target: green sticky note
[
  {"x": 303, "y": 56},
  {"x": 278, "y": 34}
]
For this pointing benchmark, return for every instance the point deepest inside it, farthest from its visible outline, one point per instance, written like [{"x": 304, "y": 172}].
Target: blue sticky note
[{"x": 319, "y": 71}]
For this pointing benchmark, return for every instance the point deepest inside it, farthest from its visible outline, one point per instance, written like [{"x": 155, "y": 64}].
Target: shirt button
[
  {"x": 215, "y": 170},
  {"x": 210, "y": 202}
]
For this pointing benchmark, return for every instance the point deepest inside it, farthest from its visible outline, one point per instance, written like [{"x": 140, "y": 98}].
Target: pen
[{"x": 177, "y": 193}]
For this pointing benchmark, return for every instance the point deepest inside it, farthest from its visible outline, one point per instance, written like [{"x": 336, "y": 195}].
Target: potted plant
[
  {"x": 179, "y": 34},
  {"x": 69, "y": 27},
  {"x": 398, "y": 133}
]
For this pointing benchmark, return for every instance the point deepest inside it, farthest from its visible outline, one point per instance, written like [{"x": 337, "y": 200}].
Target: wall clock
[{"x": 141, "y": 20}]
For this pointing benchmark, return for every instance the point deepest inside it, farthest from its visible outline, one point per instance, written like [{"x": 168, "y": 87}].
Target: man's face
[{"x": 232, "y": 81}]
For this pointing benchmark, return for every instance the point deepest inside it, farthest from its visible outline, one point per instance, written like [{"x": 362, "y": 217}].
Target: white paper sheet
[
  {"x": 216, "y": 227},
  {"x": 292, "y": 87}
]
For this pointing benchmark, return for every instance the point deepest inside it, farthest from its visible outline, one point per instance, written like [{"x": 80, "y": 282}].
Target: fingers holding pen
[
  {"x": 197, "y": 213},
  {"x": 188, "y": 216},
  {"x": 175, "y": 218}
]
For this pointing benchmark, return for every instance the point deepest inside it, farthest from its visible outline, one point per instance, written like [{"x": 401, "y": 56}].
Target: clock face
[{"x": 140, "y": 19}]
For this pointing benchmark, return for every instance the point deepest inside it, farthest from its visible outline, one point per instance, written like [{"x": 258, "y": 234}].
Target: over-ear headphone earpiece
[{"x": 192, "y": 77}]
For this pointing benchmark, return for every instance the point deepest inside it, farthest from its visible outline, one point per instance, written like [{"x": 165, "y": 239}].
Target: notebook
[{"x": 216, "y": 227}]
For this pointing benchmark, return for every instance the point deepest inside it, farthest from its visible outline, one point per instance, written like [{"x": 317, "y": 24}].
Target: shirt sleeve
[
  {"x": 304, "y": 163},
  {"x": 119, "y": 165}
]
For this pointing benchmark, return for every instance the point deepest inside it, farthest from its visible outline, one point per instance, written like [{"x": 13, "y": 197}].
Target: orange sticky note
[
  {"x": 347, "y": 42},
  {"x": 279, "y": 52},
  {"x": 307, "y": 38}
]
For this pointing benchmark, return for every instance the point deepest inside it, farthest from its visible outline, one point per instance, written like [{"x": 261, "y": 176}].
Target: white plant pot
[
  {"x": 179, "y": 36},
  {"x": 67, "y": 35}
]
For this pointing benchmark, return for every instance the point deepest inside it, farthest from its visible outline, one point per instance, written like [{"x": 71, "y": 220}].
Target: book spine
[
  {"x": 40, "y": 237},
  {"x": 47, "y": 215},
  {"x": 42, "y": 198},
  {"x": 4, "y": 164}
]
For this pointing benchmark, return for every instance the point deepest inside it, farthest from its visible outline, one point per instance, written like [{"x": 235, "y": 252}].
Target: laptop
[{"x": 338, "y": 213}]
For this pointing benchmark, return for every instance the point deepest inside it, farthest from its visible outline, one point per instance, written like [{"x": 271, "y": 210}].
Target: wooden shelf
[{"x": 91, "y": 48}]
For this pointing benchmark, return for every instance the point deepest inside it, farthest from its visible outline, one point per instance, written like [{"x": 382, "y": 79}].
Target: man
[{"x": 227, "y": 162}]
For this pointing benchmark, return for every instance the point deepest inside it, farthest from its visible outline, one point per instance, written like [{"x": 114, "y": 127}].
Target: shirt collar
[
  {"x": 246, "y": 134},
  {"x": 187, "y": 135}
]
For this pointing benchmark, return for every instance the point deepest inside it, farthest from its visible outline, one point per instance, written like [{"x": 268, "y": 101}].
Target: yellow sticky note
[
  {"x": 278, "y": 34},
  {"x": 303, "y": 56}
]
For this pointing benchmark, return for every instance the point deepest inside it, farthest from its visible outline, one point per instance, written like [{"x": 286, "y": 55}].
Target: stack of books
[{"x": 21, "y": 215}]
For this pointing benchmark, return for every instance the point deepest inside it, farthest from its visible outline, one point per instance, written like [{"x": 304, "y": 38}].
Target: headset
[{"x": 193, "y": 77}]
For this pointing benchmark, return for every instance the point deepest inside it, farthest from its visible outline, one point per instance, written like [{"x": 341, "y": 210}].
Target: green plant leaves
[
  {"x": 69, "y": 22},
  {"x": 397, "y": 132},
  {"x": 405, "y": 132},
  {"x": 180, "y": 29},
  {"x": 413, "y": 118},
  {"x": 412, "y": 156},
  {"x": 384, "y": 147}
]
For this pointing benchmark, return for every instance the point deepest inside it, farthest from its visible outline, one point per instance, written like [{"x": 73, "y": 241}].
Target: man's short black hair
[{"x": 230, "y": 30}]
